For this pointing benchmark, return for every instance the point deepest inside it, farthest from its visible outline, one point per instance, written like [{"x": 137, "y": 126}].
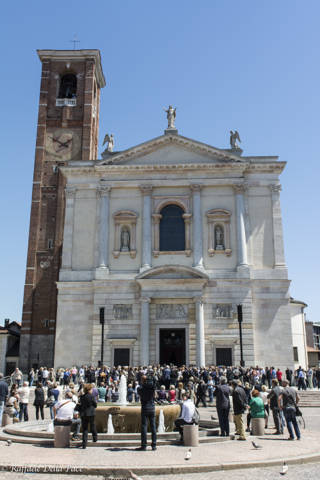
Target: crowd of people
[{"x": 72, "y": 394}]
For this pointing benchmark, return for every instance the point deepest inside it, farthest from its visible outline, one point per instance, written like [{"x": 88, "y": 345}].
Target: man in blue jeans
[
  {"x": 3, "y": 395},
  {"x": 288, "y": 399}
]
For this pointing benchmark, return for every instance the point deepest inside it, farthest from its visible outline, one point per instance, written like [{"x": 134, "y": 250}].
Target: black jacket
[
  {"x": 239, "y": 398},
  {"x": 87, "y": 405},
  {"x": 274, "y": 396},
  {"x": 222, "y": 393},
  {"x": 38, "y": 397},
  {"x": 3, "y": 390},
  {"x": 146, "y": 394}
]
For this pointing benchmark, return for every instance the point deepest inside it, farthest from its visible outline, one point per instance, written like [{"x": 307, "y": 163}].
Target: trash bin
[
  {"x": 257, "y": 426},
  {"x": 62, "y": 436},
  {"x": 191, "y": 435}
]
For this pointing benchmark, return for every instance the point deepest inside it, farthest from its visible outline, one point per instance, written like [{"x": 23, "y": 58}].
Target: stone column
[
  {"x": 104, "y": 192},
  {"x": 241, "y": 232},
  {"x": 156, "y": 233},
  {"x": 279, "y": 260},
  {"x": 70, "y": 193},
  {"x": 144, "y": 331},
  {"x": 197, "y": 227},
  {"x": 201, "y": 358},
  {"x": 146, "y": 227}
]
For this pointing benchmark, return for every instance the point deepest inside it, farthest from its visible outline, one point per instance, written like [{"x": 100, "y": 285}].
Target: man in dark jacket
[
  {"x": 222, "y": 393},
  {"x": 274, "y": 405},
  {"x": 146, "y": 393},
  {"x": 201, "y": 393},
  {"x": 3, "y": 395},
  {"x": 239, "y": 398}
]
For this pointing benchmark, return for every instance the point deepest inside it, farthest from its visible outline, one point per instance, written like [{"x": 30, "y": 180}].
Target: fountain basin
[{"x": 127, "y": 418}]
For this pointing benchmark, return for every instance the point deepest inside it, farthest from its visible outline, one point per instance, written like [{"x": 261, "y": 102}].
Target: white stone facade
[{"x": 233, "y": 255}]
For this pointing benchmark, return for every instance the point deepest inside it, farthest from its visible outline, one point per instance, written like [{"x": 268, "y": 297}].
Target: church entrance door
[
  {"x": 224, "y": 356},
  {"x": 172, "y": 346}
]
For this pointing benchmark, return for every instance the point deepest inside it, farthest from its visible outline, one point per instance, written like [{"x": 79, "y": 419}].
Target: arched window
[
  {"x": 68, "y": 86},
  {"x": 172, "y": 229}
]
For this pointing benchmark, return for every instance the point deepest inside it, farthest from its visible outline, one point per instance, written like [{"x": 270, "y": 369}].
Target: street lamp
[
  {"x": 102, "y": 333},
  {"x": 239, "y": 310}
]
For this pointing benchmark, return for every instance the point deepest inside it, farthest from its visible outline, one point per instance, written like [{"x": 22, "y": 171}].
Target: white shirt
[
  {"x": 264, "y": 396},
  {"x": 24, "y": 394},
  {"x": 66, "y": 411},
  {"x": 188, "y": 409}
]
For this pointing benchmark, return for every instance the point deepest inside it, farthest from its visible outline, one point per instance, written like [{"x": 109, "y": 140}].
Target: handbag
[
  {"x": 298, "y": 411},
  {"x": 196, "y": 417},
  {"x": 50, "y": 401}
]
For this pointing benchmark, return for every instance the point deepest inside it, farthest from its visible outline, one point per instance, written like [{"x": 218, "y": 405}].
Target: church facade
[{"x": 156, "y": 245}]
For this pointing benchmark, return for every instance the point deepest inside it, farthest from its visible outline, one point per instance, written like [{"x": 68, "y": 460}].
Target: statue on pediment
[
  {"x": 171, "y": 116},
  {"x": 110, "y": 139},
  {"x": 234, "y": 137}
]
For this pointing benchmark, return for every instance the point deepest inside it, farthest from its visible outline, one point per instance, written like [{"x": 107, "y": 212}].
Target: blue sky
[{"x": 246, "y": 65}]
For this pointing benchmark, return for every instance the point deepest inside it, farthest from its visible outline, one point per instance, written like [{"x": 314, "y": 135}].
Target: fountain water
[
  {"x": 161, "y": 426},
  {"x": 122, "y": 391},
  {"x": 110, "y": 430}
]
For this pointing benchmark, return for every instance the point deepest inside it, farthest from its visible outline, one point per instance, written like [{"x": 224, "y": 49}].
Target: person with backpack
[{"x": 288, "y": 400}]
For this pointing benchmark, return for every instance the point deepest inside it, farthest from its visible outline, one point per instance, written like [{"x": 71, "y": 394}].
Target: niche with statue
[{"x": 125, "y": 223}]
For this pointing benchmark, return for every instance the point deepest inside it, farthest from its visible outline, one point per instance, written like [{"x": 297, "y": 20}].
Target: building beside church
[{"x": 143, "y": 256}]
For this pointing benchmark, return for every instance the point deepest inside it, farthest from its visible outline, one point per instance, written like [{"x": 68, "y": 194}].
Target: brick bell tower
[{"x": 68, "y": 123}]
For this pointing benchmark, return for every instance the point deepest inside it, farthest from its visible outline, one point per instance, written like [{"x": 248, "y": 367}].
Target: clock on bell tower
[{"x": 67, "y": 129}]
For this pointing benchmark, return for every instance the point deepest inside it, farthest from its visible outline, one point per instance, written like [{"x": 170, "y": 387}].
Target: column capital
[
  {"x": 198, "y": 299},
  {"x": 156, "y": 217},
  {"x": 70, "y": 192},
  {"x": 146, "y": 189},
  {"x": 195, "y": 187},
  {"x": 103, "y": 190},
  {"x": 145, "y": 299},
  {"x": 187, "y": 217},
  {"x": 240, "y": 188},
  {"x": 275, "y": 187}
]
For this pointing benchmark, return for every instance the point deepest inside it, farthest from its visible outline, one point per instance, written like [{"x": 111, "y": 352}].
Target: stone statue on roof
[
  {"x": 109, "y": 138},
  {"x": 171, "y": 116},
  {"x": 234, "y": 137}
]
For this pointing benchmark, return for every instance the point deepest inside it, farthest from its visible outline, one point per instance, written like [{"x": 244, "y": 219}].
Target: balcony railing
[{"x": 66, "y": 102}]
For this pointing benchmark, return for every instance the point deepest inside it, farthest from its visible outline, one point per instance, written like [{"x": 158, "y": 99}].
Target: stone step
[{"x": 102, "y": 443}]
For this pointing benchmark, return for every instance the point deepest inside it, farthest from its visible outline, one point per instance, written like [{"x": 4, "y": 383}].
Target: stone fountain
[{"x": 126, "y": 418}]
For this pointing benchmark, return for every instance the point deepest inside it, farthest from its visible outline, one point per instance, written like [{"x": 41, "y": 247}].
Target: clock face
[{"x": 63, "y": 144}]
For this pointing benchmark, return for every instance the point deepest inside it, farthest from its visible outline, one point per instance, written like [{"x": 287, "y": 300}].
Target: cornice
[
  {"x": 109, "y": 169},
  {"x": 234, "y": 168}
]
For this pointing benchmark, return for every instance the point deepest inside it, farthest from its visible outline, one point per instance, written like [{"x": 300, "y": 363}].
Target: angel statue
[
  {"x": 234, "y": 136},
  {"x": 171, "y": 116},
  {"x": 109, "y": 138}
]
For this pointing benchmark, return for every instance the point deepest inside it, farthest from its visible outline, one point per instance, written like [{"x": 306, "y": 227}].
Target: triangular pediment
[{"x": 171, "y": 149}]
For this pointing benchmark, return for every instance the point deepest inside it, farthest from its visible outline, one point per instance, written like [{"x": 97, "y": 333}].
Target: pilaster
[
  {"x": 68, "y": 229},
  {"x": 279, "y": 260},
  {"x": 197, "y": 227},
  {"x": 200, "y": 334},
  {"x": 145, "y": 331},
  {"x": 104, "y": 194},
  {"x": 146, "y": 191}
]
